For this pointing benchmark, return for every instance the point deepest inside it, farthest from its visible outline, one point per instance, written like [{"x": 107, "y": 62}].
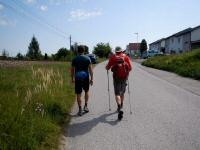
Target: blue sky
[{"x": 91, "y": 21}]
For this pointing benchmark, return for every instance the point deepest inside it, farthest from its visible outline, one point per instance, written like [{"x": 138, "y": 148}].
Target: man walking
[
  {"x": 120, "y": 65},
  {"x": 82, "y": 75}
]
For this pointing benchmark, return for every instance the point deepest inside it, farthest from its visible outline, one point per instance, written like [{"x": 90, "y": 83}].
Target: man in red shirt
[{"x": 117, "y": 62}]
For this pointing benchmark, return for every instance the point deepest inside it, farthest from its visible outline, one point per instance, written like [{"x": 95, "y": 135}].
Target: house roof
[
  {"x": 183, "y": 32},
  {"x": 157, "y": 41},
  {"x": 178, "y": 34},
  {"x": 134, "y": 46},
  {"x": 195, "y": 28}
]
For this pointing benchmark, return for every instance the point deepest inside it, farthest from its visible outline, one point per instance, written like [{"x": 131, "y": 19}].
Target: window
[
  {"x": 179, "y": 40},
  {"x": 172, "y": 40}
]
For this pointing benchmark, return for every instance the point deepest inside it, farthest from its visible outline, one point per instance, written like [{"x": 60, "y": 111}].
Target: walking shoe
[
  {"x": 120, "y": 115},
  {"x": 86, "y": 110},
  {"x": 121, "y": 105},
  {"x": 118, "y": 108},
  {"x": 80, "y": 112}
]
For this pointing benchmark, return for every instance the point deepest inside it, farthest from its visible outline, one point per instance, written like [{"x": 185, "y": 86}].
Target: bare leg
[
  {"x": 86, "y": 102},
  {"x": 122, "y": 99},
  {"x": 79, "y": 104},
  {"x": 86, "y": 97},
  {"x": 118, "y": 99},
  {"x": 79, "y": 100}
]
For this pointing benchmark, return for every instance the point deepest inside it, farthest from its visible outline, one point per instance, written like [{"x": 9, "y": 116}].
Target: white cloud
[
  {"x": 59, "y": 2},
  {"x": 43, "y": 8},
  {"x": 81, "y": 14},
  {"x": 3, "y": 21},
  {"x": 30, "y": 1},
  {"x": 84, "y": 0},
  {"x": 1, "y": 7}
]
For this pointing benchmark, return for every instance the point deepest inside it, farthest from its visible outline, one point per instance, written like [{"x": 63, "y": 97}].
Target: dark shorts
[
  {"x": 81, "y": 85},
  {"x": 119, "y": 86}
]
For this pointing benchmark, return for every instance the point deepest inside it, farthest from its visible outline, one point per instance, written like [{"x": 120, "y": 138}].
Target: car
[
  {"x": 144, "y": 55},
  {"x": 93, "y": 58},
  {"x": 151, "y": 53}
]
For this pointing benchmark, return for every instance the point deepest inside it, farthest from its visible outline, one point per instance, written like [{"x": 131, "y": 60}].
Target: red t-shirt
[{"x": 112, "y": 61}]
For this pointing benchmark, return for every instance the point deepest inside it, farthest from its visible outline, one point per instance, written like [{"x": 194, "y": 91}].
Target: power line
[
  {"x": 26, "y": 14},
  {"x": 23, "y": 7},
  {"x": 20, "y": 4},
  {"x": 23, "y": 12}
]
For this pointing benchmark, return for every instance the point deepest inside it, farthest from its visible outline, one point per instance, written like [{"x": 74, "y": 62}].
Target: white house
[
  {"x": 178, "y": 42},
  {"x": 195, "y": 37},
  {"x": 158, "y": 45}
]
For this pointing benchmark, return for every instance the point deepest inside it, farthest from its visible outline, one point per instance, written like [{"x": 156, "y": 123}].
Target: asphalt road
[{"x": 165, "y": 116}]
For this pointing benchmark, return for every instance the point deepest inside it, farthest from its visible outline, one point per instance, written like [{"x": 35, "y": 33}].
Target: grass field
[
  {"x": 186, "y": 64},
  {"x": 33, "y": 105}
]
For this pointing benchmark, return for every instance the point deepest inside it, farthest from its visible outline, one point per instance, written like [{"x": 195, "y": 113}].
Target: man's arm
[
  {"x": 129, "y": 63},
  {"x": 91, "y": 74},
  {"x": 110, "y": 63},
  {"x": 72, "y": 73}
]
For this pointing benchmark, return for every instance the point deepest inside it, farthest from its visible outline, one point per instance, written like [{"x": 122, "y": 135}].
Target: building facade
[
  {"x": 133, "y": 48},
  {"x": 177, "y": 43},
  {"x": 195, "y": 38},
  {"x": 158, "y": 45}
]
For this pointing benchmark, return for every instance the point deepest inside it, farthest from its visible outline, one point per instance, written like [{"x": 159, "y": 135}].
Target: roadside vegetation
[
  {"x": 34, "y": 103},
  {"x": 37, "y": 96},
  {"x": 186, "y": 64},
  {"x": 34, "y": 53}
]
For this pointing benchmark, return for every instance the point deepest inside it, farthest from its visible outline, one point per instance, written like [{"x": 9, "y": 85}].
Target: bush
[{"x": 186, "y": 64}]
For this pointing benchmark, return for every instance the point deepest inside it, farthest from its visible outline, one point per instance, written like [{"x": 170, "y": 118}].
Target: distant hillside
[{"x": 187, "y": 64}]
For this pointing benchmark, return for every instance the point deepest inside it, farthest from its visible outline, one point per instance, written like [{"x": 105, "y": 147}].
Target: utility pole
[
  {"x": 70, "y": 42},
  {"x": 137, "y": 42},
  {"x": 137, "y": 37}
]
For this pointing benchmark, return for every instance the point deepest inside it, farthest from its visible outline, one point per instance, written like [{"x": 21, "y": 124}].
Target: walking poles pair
[
  {"x": 108, "y": 90},
  {"x": 129, "y": 97},
  {"x": 109, "y": 93}
]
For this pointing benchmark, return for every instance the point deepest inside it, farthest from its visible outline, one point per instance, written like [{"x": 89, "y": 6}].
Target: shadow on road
[{"x": 85, "y": 127}]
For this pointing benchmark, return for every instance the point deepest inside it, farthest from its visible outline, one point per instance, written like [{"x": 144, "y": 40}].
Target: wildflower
[{"x": 22, "y": 110}]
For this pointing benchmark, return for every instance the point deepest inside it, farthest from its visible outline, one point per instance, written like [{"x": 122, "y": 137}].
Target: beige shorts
[{"x": 119, "y": 86}]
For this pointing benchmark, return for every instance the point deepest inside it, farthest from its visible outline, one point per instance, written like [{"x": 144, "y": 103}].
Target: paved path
[{"x": 165, "y": 116}]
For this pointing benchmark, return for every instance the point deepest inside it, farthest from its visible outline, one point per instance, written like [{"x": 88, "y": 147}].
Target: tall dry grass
[{"x": 32, "y": 105}]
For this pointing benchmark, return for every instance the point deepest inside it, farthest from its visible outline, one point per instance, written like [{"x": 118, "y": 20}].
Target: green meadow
[{"x": 34, "y": 103}]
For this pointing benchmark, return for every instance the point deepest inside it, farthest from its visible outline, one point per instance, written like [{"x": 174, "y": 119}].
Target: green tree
[
  {"x": 19, "y": 56},
  {"x": 102, "y": 50},
  {"x": 86, "y": 48},
  {"x": 62, "y": 53},
  {"x": 34, "y": 49},
  {"x": 74, "y": 48},
  {"x": 5, "y": 54},
  {"x": 143, "y": 47},
  {"x": 45, "y": 56}
]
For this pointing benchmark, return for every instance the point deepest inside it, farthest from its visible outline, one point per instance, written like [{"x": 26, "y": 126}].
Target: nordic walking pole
[
  {"x": 108, "y": 90},
  {"x": 129, "y": 97}
]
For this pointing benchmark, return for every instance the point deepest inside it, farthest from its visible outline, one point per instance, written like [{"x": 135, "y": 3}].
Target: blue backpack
[{"x": 81, "y": 75}]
